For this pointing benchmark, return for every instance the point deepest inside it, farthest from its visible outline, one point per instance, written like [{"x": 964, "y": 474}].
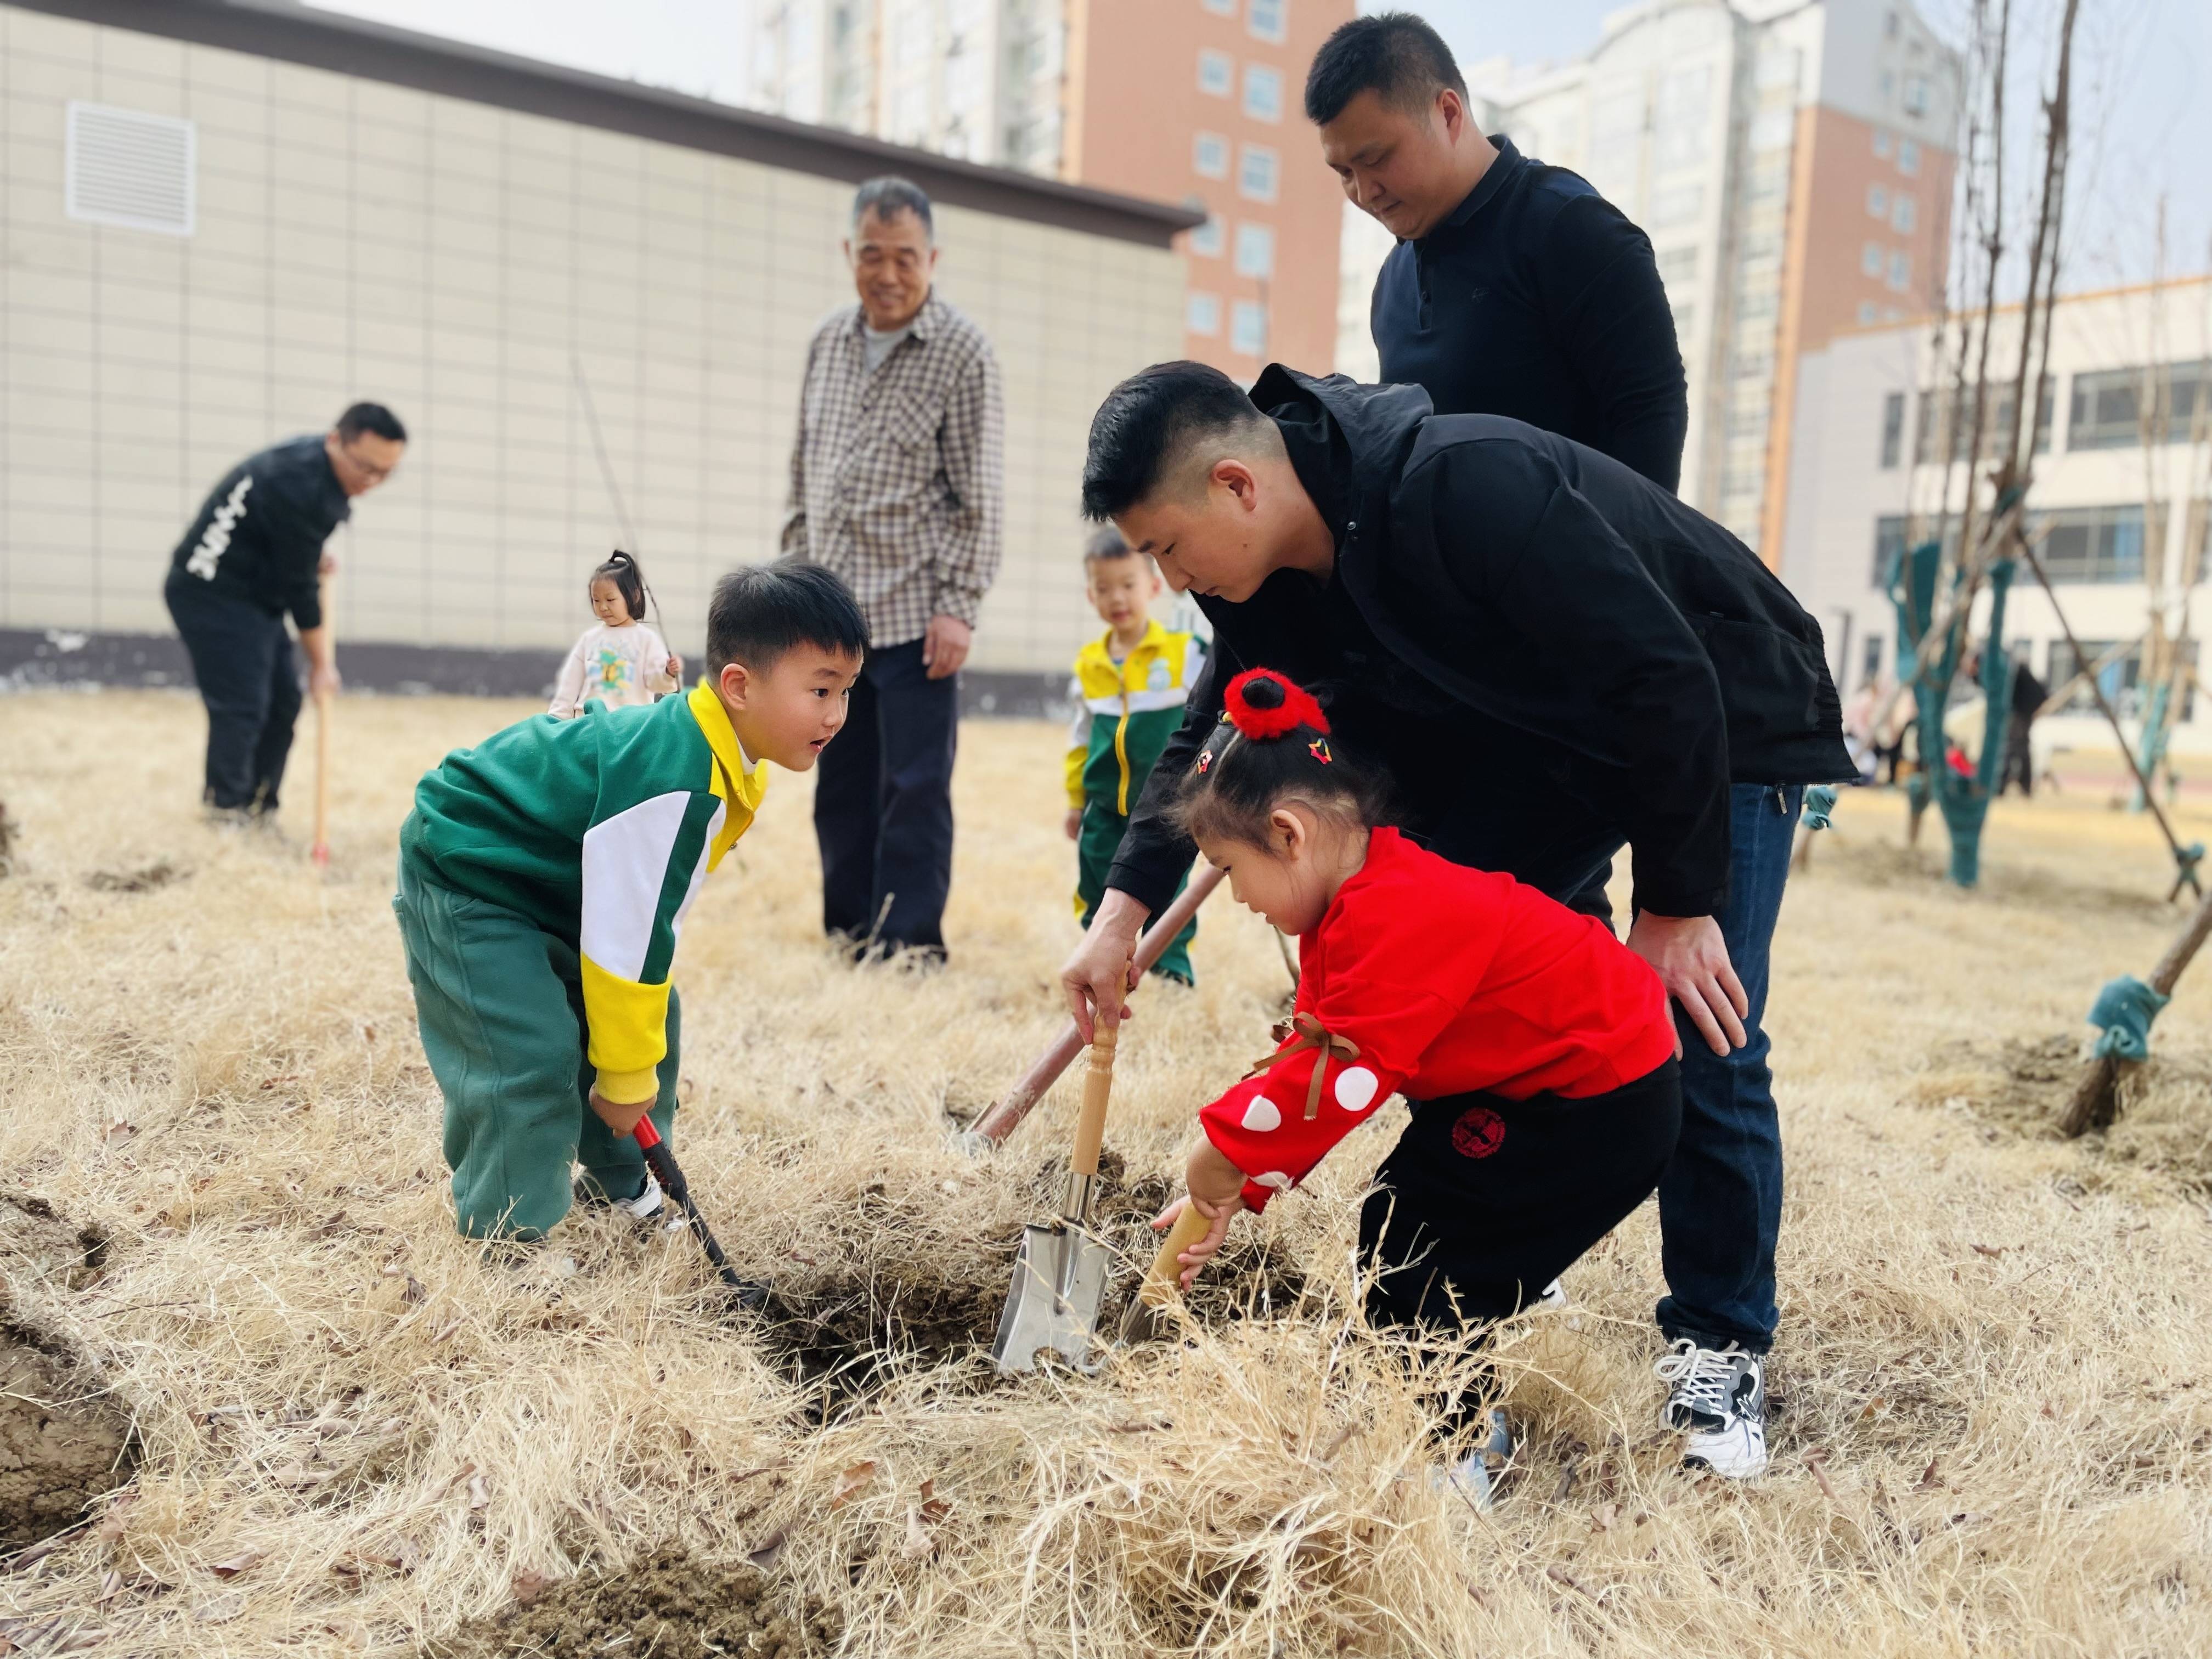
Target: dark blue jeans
[{"x": 1720, "y": 1201}]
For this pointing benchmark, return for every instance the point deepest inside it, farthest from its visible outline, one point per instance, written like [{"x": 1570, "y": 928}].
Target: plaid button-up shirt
[{"x": 898, "y": 477}]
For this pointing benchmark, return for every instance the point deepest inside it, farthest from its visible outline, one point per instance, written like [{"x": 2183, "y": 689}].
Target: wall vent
[{"x": 128, "y": 168}]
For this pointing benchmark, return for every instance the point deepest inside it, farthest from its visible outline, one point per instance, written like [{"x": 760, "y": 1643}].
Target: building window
[
  {"x": 1882, "y": 143},
  {"x": 1675, "y": 205},
  {"x": 1904, "y": 214},
  {"x": 1266, "y": 19},
  {"x": 1932, "y": 443},
  {"x": 1901, "y": 269},
  {"x": 1263, "y": 93},
  {"x": 1247, "y": 328},
  {"x": 1908, "y": 157},
  {"x": 2106, "y": 412},
  {"x": 1877, "y": 202},
  {"x": 1678, "y": 266},
  {"x": 1255, "y": 250},
  {"x": 1871, "y": 257},
  {"x": 1686, "y": 320},
  {"x": 1209, "y": 155},
  {"x": 1867, "y": 310},
  {"x": 1916, "y": 94},
  {"x": 2092, "y": 544},
  {"x": 1207, "y": 240},
  {"x": 1201, "y": 314},
  {"x": 1773, "y": 130},
  {"x": 1888, "y": 85},
  {"x": 1893, "y": 429},
  {"x": 1256, "y": 178},
  {"x": 1871, "y": 665},
  {"x": 1889, "y": 25},
  {"x": 1220, "y": 8},
  {"x": 1216, "y": 73}
]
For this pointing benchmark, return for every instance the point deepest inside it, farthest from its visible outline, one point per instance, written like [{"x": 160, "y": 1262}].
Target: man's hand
[
  {"x": 620, "y": 1120},
  {"x": 1692, "y": 961},
  {"x": 328, "y": 564},
  {"x": 1096, "y": 977},
  {"x": 945, "y": 646},
  {"x": 1217, "y": 1190},
  {"x": 323, "y": 680},
  {"x": 1074, "y": 824}
]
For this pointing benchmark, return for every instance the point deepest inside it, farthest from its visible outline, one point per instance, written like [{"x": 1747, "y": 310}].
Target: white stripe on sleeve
[{"x": 625, "y": 865}]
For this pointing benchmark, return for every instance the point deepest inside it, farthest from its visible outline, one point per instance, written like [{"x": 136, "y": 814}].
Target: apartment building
[
  {"x": 587, "y": 299},
  {"x": 2118, "y": 505},
  {"x": 1195, "y": 102},
  {"x": 1791, "y": 160}
]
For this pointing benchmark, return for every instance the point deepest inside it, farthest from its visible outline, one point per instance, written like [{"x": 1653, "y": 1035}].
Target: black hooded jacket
[{"x": 1550, "y": 654}]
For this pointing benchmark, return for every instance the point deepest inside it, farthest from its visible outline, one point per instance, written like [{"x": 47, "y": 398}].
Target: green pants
[
  {"x": 501, "y": 1004},
  {"x": 1101, "y": 838}
]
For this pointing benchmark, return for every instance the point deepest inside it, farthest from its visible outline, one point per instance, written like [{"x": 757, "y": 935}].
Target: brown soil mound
[
  {"x": 59, "y": 1449},
  {"x": 668, "y": 1604}
]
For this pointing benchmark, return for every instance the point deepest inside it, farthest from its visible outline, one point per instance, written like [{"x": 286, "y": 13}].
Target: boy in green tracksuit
[
  {"x": 1128, "y": 690},
  {"x": 543, "y": 878}
]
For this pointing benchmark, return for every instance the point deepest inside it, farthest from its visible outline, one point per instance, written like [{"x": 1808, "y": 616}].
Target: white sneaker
[
  {"x": 1717, "y": 1398},
  {"x": 646, "y": 1206},
  {"x": 1472, "y": 1479},
  {"x": 1554, "y": 1297}
]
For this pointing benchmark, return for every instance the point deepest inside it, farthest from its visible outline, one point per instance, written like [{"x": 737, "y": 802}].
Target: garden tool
[
  {"x": 995, "y": 1124},
  {"x": 320, "y": 853},
  {"x": 1152, "y": 1311},
  {"x": 1060, "y": 1274},
  {"x": 665, "y": 1170}
]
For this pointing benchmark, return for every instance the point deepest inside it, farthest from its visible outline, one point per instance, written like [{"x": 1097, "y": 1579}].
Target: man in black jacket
[
  {"x": 1514, "y": 288},
  {"x": 1554, "y": 656},
  {"x": 254, "y": 552}
]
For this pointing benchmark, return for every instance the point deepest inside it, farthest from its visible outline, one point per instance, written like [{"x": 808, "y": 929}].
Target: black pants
[
  {"x": 243, "y": 661},
  {"x": 1485, "y": 1201},
  {"x": 883, "y": 805}
]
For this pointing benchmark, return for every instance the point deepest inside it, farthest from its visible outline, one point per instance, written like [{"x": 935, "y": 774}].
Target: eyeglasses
[{"x": 368, "y": 469}]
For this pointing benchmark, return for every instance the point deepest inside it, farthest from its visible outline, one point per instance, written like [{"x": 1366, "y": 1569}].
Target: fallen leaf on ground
[
  {"x": 479, "y": 1493},
  {"x": 1991, "y": 1251},
  {"x": 853, "y": 1482},
  {"x": 529, "y": 1586},
  {"x": 1607, "y": 1514},
  {"x": 765, "y": 1555},
  {"x": 447, "y": 1329},
  {"x": 236, "y": 1565},
  {"x": 1814, "y": 1461},
  {"x": 933, "y": 1508},
  {"x": 414, "y": 1293},
  {"x": 298, "y": 1476},
  {"x": 121, "y": 1134},
  {"x": 1967, "y": 1518},
  {"x": 222, "y": 1609},
  {"x": 1928, "y": 1479},
  {"x": 918, "y": 1544},
  {"x": 1872, "y": 1407}
]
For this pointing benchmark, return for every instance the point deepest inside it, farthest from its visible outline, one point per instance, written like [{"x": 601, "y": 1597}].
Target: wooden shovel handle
[
  {"x": 1097, "y": 1086},
  {"x": 1161, "y": 1284}
]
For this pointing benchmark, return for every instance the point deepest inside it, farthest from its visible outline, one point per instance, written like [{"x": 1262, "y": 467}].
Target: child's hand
[
  {"x": 676, "y": 668},
  {"x": 1074, "y": 823},
  {"x": 1216, "y": 1188},
  {"x": 622, "y": 1119}
]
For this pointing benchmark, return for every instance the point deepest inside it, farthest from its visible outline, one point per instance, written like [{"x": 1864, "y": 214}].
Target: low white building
[{"x": 2121, "y": 523}]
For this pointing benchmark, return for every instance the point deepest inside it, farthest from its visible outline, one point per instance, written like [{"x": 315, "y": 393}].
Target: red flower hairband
[{"x": 1262, "y": 704}]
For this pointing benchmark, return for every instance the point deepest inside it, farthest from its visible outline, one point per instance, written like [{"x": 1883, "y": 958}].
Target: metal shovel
[{"x": 1060, "y": 1274}]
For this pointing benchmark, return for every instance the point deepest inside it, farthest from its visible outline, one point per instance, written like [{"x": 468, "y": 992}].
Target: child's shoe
[
  {"x": 1474, "y": 1478},
  {"x": 644, "y": 1209}
]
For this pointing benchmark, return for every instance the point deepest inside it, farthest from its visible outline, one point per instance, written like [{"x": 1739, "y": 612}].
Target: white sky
[{"x": 2143, "y": 122}]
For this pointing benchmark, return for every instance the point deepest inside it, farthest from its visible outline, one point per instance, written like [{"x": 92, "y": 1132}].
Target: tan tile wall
[{"x": 461, "y": 263}]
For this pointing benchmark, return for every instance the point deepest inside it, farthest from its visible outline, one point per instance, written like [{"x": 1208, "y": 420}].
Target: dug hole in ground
[{"x": 257, "y": 1397}]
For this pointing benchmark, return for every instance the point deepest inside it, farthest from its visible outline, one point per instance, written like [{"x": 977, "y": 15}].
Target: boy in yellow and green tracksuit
[
  {"x": 544, "y": 876},
  {"x": 1128, "y": 692}
]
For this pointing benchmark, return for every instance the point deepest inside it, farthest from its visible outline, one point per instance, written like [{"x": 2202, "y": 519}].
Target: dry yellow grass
[{"x": 1995, "y": 1360}]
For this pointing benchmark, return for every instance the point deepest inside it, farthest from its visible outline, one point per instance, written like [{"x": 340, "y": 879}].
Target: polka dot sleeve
[{"x": 1262, "y": 1124}]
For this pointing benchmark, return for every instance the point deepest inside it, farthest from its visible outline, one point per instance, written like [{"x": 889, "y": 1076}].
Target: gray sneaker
[
  {"x": 1717, "y": 1399},
  {"x": 1474, "y": 1478}
]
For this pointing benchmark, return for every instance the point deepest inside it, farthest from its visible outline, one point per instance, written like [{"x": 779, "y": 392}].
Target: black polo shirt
[
  {"x": 1537, "y": 299},
  {"x": 259, "y": 536}
]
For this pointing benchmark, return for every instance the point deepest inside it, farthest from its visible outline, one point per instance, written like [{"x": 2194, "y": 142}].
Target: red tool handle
[{"x": 647, "y": 1136}]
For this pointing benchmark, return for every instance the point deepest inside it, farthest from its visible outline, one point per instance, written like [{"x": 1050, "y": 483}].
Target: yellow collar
[
  {"x": 1155, "y": 639},
  {"x": 747, "y": 778}
]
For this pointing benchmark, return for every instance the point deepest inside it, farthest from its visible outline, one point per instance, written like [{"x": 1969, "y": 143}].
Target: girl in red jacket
[{"x": 1536, "y": 1050}]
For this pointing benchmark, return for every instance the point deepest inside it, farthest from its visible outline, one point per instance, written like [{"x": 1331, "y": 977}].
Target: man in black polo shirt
[
  {"x": 1514, "y": 288},
  {"x": 254, "y": 553}
]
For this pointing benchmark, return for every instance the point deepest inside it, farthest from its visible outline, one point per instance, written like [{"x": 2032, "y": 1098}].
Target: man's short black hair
[
  {"x": 374, "y": 418},
  {"x": 888, "y": 196},
  {"x": 1394, "y": 54},
  {"x": 761, "y": 612},
  {"x": 1151, "y": 422}
]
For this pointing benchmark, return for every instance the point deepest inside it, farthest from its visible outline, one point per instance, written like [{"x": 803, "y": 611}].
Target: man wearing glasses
[{"x": 255, "y": 552}]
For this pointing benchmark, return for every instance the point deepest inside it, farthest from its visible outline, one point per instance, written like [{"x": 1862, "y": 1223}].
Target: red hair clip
[{"x": 1261, "y": 704}]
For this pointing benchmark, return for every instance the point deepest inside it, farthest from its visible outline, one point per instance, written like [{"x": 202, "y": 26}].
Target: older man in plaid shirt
[{"x": 896, "y": 485}]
